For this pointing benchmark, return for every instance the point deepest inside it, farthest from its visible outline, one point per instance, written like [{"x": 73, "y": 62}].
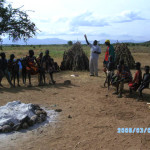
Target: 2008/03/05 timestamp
[{"x": 133, "y": 130}]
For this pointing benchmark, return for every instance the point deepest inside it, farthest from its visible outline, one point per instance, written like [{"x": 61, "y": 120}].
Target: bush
[{"x": 70, "y": 43}]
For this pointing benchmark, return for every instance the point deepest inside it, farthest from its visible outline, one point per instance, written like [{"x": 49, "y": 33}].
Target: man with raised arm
[{"x": 95, "y": 51}]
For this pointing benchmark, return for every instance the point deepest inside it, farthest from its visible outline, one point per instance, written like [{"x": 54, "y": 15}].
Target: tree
[
  {"x": 15, "y": 23},
  {"x": 70, "y": 43}
]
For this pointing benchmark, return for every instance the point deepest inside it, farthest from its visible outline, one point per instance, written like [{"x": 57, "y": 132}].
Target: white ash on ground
[{"x": 16, "y": 115}]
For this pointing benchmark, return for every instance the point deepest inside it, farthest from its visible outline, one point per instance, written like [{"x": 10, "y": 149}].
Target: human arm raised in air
[{"x": 86, "y": 40}]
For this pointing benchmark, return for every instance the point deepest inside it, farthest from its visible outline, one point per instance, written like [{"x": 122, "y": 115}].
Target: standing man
[
  {"x": 48, "y": 62},
  {"x": 95, "y": 51},
  {"x": 110, "y": 51},
  {"x": 4, "y": 69}
]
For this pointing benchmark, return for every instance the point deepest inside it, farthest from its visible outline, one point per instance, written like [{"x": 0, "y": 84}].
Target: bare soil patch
[{"x": 88, "y": 120}]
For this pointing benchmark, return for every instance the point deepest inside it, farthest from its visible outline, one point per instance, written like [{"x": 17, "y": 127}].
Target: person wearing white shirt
[{"x": 95, "y": 51}]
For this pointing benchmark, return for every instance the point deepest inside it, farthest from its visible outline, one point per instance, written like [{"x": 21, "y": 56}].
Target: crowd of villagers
[
  {"x": 45, "y": 64},
  {"x": 29, "y": 65},
  {"x": 123, "y": 74}
]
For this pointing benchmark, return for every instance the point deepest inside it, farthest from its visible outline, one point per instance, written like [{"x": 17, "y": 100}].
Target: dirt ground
[{"x": 89, "y": 119}]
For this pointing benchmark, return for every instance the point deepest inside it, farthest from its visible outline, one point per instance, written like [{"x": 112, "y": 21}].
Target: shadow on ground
[{"x": 35, "y": 88}]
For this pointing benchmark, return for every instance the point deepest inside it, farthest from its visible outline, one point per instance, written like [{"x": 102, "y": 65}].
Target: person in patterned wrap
[{"x": 31, "y": 65}]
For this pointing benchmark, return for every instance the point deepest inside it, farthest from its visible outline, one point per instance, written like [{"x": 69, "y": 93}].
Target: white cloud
[
  {"x": 91, "y": 23},
  {"x": 94, "y": 17},
  {"x": 88, "y": 19},
  {"x": 127, "y": 16}
]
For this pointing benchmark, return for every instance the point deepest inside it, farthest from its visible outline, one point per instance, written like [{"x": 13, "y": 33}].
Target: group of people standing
[
  {"x": 29, "y": 65},
  {"x": 123, "y": 74}
]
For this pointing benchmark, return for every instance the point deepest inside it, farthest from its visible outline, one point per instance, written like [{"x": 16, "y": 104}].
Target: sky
[{"x": 98, "y": 19}]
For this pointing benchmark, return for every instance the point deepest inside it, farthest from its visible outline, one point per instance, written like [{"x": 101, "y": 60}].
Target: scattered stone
[
  {"x": 43, "y": 117},
  {"x": 69, "y": 116},
  {"x": 34, "y": 118},
  {"x": 58, "y": 110},
  {"x": 38, "y": 112},
  {"x": 34, "y": 114},
  {"x": 35, "y": 107},
  {"x": 11, "y": 124},
  {"x": 44, "y": 112},
  {"x": 25, "y": 125},
  {"x": 6, "y": 128},
  {"x": 39, "y": 119},
  {"x": 17, "y": 127},
  {"x": 24, "y": 120},
  {"x": 67, "y": 82},
  {"x": 30, "y": 122}
]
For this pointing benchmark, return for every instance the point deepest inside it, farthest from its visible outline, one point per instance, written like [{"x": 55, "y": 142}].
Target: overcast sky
[{"x": 99, "y": 19}]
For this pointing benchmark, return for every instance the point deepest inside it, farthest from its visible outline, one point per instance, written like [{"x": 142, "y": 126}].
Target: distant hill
[
  {"x": 50, "y": 41},
  {"x": 35, "y": 41},
  {"x": 147, "y": 42}
]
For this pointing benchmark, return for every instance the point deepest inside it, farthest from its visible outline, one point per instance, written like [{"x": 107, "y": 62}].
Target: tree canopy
[
  {"x": 70, "y": 43},
  {"x": 15, "y": 23}
]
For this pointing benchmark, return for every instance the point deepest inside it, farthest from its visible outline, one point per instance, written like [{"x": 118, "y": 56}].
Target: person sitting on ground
[
  {"x": 125, "y": 76},
  {"x": 134, "y": 85},
  {"x": 4, "y": 69},
  {"x": 31, "y": 65},
  {"x": 95, "y": 51},
  {"x": 145, "y": 82},
  {"x": 48, "y": 64},
  {"x": 57, "y": 68}
]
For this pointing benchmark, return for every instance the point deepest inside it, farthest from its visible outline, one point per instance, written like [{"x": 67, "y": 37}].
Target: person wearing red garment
[
  {"x": 134, "y": 85},
  {"x": 110, "y": 51}
]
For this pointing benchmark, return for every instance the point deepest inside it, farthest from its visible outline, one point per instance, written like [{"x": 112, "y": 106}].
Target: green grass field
[{"x": 56, "y": 51}]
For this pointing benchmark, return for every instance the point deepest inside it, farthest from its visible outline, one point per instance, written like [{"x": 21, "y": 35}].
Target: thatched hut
[
  {"x": 122, "y": 52},
  {"x": 75, "y": 59}
]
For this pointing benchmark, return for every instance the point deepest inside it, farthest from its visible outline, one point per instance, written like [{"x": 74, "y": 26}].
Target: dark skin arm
[
  {"x": 89, "y": 43},
  {"x": 26, "y": 60},
  {"x": 36, "y": 62},
  {"x": 97, "y": 52},
  {"x": 86, "y": 39}
]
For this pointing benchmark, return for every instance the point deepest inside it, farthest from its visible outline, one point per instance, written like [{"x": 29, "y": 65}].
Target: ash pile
[
  {"x": 16, "y": 115},
  {"x": 122, "y": 52},
  {"x": 75, "y": 59}
]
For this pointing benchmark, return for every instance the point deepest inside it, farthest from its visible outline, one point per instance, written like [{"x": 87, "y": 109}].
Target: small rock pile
[
  {"x": 75, "y": 59},
  {"x": 122, "y": 52},
  {"x": 35, "y": 115}
]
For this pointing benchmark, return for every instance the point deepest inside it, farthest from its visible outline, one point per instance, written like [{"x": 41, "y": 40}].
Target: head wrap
[{"x": 107, "y": 41}]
